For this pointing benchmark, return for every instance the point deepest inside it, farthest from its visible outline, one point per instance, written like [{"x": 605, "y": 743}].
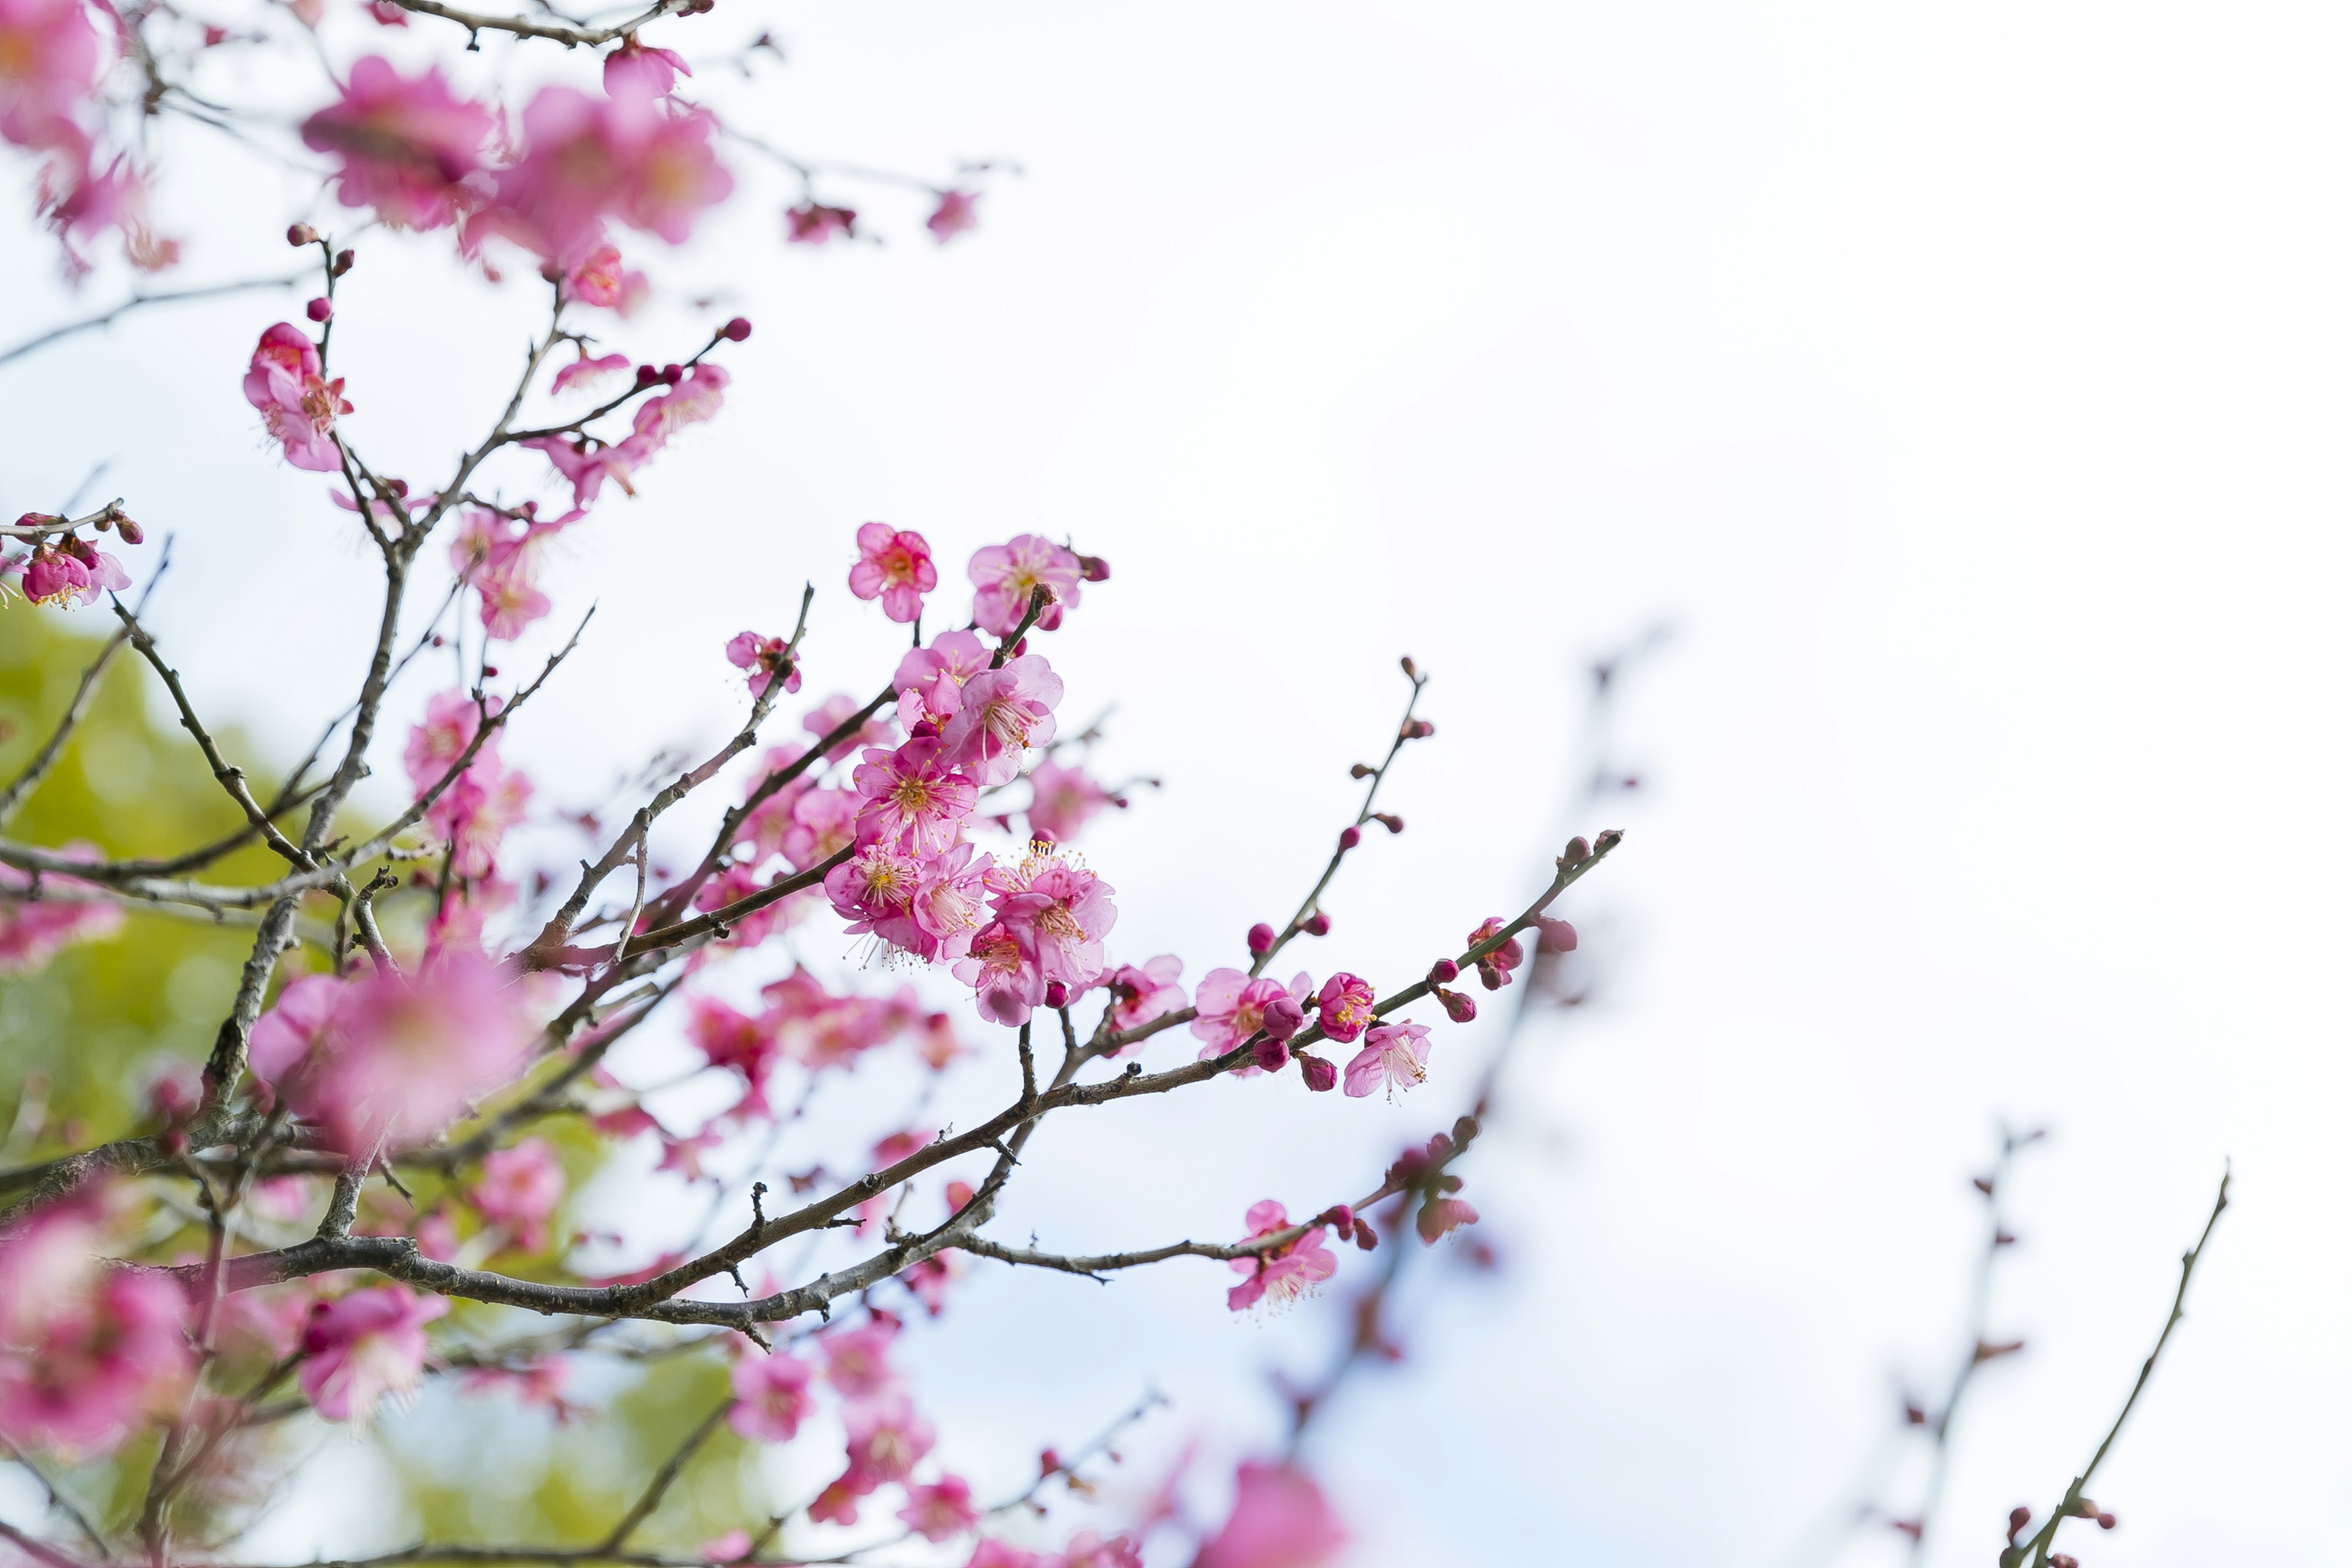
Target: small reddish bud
[
  {"x": 1261, "y": 937},
  {"x": 131, "y": 532},
  {"x": 1269, "y": 1054},
  {"x": 319, "y": 309},
  {"x": 736, "y": 331},
  {"x": 301, "y": 234},
  {"x": 1406, "y": 664},
  {"x": 1056, "y": 993},
  {"x": 1577, "y": 853},
  {"x": 1019, "y": 648},
  {"x": 1093, "y": 569},
  {"x": 1048, "y": 1462},
  {"x": 959, "y": 1194},
  {"x": 1283, "y": 1017},
  {"x": 1982, "y": 1184},
  {"x": 648, "y": 376},
  {"x": 2003, "y": 1238},
  {"x": 1913, "y": 1415},
  {"x": 1350, "y": 837},
  {"x": 671, "y": 375},
  {"x": 1458, "y": 1007},
  {"x": 1610, "y": 839},
  {"x": 1319, "y": 1075},
  {"x": 2064, "y": 1560},
  {"x": 1443, "y": 970},
  {"x": 1419, "y": 729},
  {"x": 2018, "y": 1517},
  {"x": 1339, "y": 1217},
  {"x": 1360, "y": 769},
  {"x": 1365, "y": 1237},
  {"x": 1465, "y": 1128},
  {"x": 1389, "y": 820},
  {"x": 345, "y": 260},
  {"x": 2106, "y": 1520},
  {"x": 1910, "y": 1527},
  {"x": 1317, "y": 924}
]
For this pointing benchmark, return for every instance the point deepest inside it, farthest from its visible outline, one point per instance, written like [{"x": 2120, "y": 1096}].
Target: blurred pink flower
[
  {"x": 519, "y": 1189},
  {"x": 772, "y": 1396},
  {"x": 956, "y": 213},
  {"x": 1062, "y": 801},
  {"x": 1279, "y": 1521},
  {"x": 939, "y": 1509},
  {"x": 363, "y": 1346},
  {"x": 86, "y": 1350},
  {"x": 405, "y": 145},
  {"x": 599, "y": 278}
]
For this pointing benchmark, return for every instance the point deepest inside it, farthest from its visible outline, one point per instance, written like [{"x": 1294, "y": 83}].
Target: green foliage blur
[{"x": 82, "y": 1038}]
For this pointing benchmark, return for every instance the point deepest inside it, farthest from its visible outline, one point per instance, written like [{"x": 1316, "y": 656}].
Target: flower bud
[
  {"x": 1093, "y": 569},
  {"x": 131, "y": 532},
  {"x": 2106, "y": 1519},
  {"x": 1350, "y": 836},
  {"x": 1458, "y": 1007},
  {"x": 1406, "y": 664},
  {"x": 2064, "y": 1560},
  {"x": 1056, "y": 993},
  {"x": 1465, "y": 1128},
  {"x": 1443, "y": 970},
  {"x": 1283, "y": 1018},
  {"x": 1048, "y": 1462},
  {"x": 1319, "y": 1075},
  {"x": 1610, "y": 839},
  {"x": 2018, "y": 1517},
  {"x": 301, "y": 234},
  {"x": 671, "y": 375},
  {"x": 1360, "y": 769},
  {"x": 344, "y": 260},
  {"x": 1365, "y": 1237},
  {"x": 1261, "y": 937},
  {"x": 1389, "y": 820},
  {"x": 736, "y": 331},
  {"x": 319, "y": 309},
  {"x": 648, "y": 376},
  {"x": 1270, "y": 1053},
  {"x": 1419, "y": 729},
  {"x": 1339, "y": 1217},
  {"x": 1554, "y": 936},
  {"x": 1317, "y": 924}
]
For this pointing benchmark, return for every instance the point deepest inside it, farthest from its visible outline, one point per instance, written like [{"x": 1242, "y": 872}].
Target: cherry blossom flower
[
  {"x": 992, "y": 1553},
  {"x": 1001, "y": 966},
  {"x": 1281, "y": 1276},
  {"x": 49, "y": 58},
  {"x": 948, "y": 906},
  {"x": 772, "y": 1396},
  {"x": 814, "y": 223},
  {"x": 761, "y": 659},
  {"x": 1064, "y": 799},
  {"x": 1344, "y": 1006},
  {"x": 585, "y": 465},
  {"x": 914, "y": 800},
  {"x": 388, "y": 1056},
  {"x": 473, "y": 815},
  {"x": 1007, "y": 574},
  {"x": 928, "y": 1281},
  {"x": 586, "y": 375},
  {"x": 732, "y": 1041},
  {"x": 539, "y": 1382},
  {"x": 34, "y": 930},
  {"x": 1141, "y": 993},
  {"x": 895, "y": 566},
  {"x": 406, "y": 144},
  {"x": 873, "y": 887},
  {"x": 1494, "y": 968},
  {"x": 1006, "y": 712},
  {"x": 518, "y": 1190},
  {"x": 451, "y": 720},
  {"x": 940, "y": 1510},
  {"x": 834, "y": 711},
  {"x": 1233, "y": 1007},
  {"x": 1395, "y": 1057},
  {"x": 887, "y": 1440},
  {"x": 86, "y": 1350},
  {"x": 599, "y": 278},
  {"x": 1088, "y": 1550},
  {"x": 930, "y": 680},
  {"x": 955, "y": 213},
  {"x": 299, "y": 406},
  {"x": 1066, "y": 910},
  {"x": 363, "y": 1346},
  {"x": 636, "y": 70},
  {"x": 588, "y": 158},
  {"x": 936, "y": 1044},
  {"x": 857, "y": 1361},
  {"x": 823, "y": 822},
  {"x": 1280, "y": 1519}
]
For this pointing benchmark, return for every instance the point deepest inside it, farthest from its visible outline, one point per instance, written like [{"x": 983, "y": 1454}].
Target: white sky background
[{"x": 1966, "y": 390}]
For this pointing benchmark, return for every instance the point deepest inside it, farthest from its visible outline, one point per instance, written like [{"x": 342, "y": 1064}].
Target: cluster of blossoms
[{"x": 53, "y": 61}]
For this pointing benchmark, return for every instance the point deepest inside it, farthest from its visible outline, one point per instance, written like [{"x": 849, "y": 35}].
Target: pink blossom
[
  {"x": 857, "y": 1361},
  {"x": 1140, "y": 995},
  {"x": 1440, "y": 1214},
  {"x": 266, "y": 1324},
  {"x": 1280, "y": 1276},
  {"x": 1344, "y": 1006},
  {"x": 473, "y": 815},
  {"x": 1494, "y": 968},
  {"x": 1233, "y": 1007},
  {"x": 731, "y": 1546},
  {"x": 585, "y": 465},
  {"x": 86, "y": 1352},
  {"x": 894, "y": 567},
  {"x": 935, "y": 1041},
  {"x": 820, "y": 1030},
  {"x": 928, "y": 1281},
  {"x": 1001, "y": 966},
  {"x": 1088, "y": 1550},
  {"x": 1065, "y": 909},
  {"x": 518, "y": 1190},
  {"x": 500, "y": 557},
  {"x": 814, "y": 223},
  {"x": 49, "y": 58},
  {"x": 930, "y": 680},
  {"x": 992, "y": 1553},
  {"x": 732, "y": 1041},
  {"x": 451, "y": 720},
  {"x": 81, "y": 200},
  {"x": 695, "y": 400},
  {"x": 762, "y": 658},
  {"x": 1007, "y": 574},
  {"x": 834, "y": 711},
  {"x": 635, "y": 71},
  {"x": 1279, "y": 1521},
  {"x": 887, "y": 1440},
  {"x": 1062, "y": 800},
  {"x": 540, "y": 1383},
  {"x": 954, "y": 214},
  {"x": 823, "y": 822},
  {"x": 364, "y": 1346},
  {"x": 914, "y": 800},
  {"x": 939, "y": 1509},
  {"x": 599, "y": 278},
  {"x": 947, "y": 907},
  {"x": 406, "y": 144},
  {"x": 772, "y": 1396},
  {"x": 34, "y": 930},
  {"x": 391, "y": 1056},
  {"x": 873, "y": 887},
  {"x": 1395, "y": 1057},
  {"x": 1006, "y": 712},
  {"x": 299, "y": 407},
  {"x": 586, "y": 159},
  {"x": 587, "y": 374}
]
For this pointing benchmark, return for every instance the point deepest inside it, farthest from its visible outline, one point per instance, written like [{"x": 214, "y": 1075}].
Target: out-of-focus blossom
[
  {"x": 49, "y": 57},
  {"x": 1282, "y": 1275},
  {"x": 33, "y": 931},
  {"x": 1280, "y": 1519},
  {"x": 518, "y": 1190},
  {"x": 87, "y": 1352},
  {"x": 1088, "y": 1550},
  {"x": 299, "y": 406},
  {"x": 540, "y": 1383},
  {"x": 940, "y": 1510},
  {"x": 837, "y": 710},
  {"x": 814, "y": 223},
  {"x": 957, "y": 212},
  {"x": 599, "y": 278},
  {"x": 637, "y": 70},
  {"x": 823, "y": 822},
  {"x": 895, "y": 566},
  {"x": 772, "y": 1396},
  {"x": 1395, "y": 1057},
  {"x": 363, "y": 1346},
  {"x": 586, "y": 159},
  {"x": 587, "y": 374},
  {"x": 858, "y": 1360},
  {"x": 1065, "y": 798},
  {"x": 406, "y": 144},
  {"x": 1005, "y": 575}
]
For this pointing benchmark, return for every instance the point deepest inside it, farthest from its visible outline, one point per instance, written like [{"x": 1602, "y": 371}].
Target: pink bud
[
  {"x": 131, "y": 532},
  {"x": 1458, "y": 1007},
  {"x": 648, "y": 376},
  {"x": 1283, "y": 1018},
  {"x": 301, "y": 234},
  {"x": 1094, "y": 568},
  {"x": 1443, "y": 970},
  {"x": 1056, "y": 993},
  {"x": 319, "y": 309},
  {"x": 1579, "y": 851},
  {"x": 1389, "y": 820},
  {"x": 671, "y": 375},
  {"x": 344, "y": 260},
  {"x": 1319, "y": 1074},
  {"x": 1365, "y": 1237},
  {"x": 1261, "y": 937},
  {"x": 1317, "y": 924},
  {"x": 1339, "y": 1217},
  {"x": 1048, "y": 1462},
  {"x": 1555, "y": 936},
  {"x": 1350, "y": 836},
  {"x": 736, "y": 331},
  {"x": 1270, "y": 1053}
]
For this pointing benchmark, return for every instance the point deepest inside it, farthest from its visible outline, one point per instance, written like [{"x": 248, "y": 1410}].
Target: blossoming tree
[{"x": 358, "y": 1187}]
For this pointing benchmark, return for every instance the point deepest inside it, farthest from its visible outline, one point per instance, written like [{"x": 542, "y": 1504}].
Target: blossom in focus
[
  {"x": 930, "y": 680},
  {"x": 1233, "y": 1007},
  {"x": 1141, "y": 993},
  {"x": 389, "y": 1056},
  {"x": 948, "y": 906},
  {"x": 1064, "y": 909},
  {"x": 873, "y": 887},
  {"x": 86, "y": 1350},
  {"x": 914, "y": 800},
  {"x": 1064, "y": 799},
  {"x": 1005, "y": 575},
  {"x": 1280, "y": 1519},
  {"x": 598, "y": 279},
  {"x": 49, "y": 56},
  {"x": 363, "y": 1346},
  {"x": 772, "y": 1396},
  {"x": 1280, "y": 1276},
  {"x": 939, "y": 1509},
  {"x": 762, "y": 658},
  {"x": 406, "y": 144},
  {"x": 1395, "y": 1057},
  {"x": 1494, "y": 968},
  {"x": 34, "y": 930},
  {"x": 814, "y": 223},
  {"x": 518, "y": 1190},
  {"x": 895, "y": 566},
  {"x": 1006, "y": 712},
  {"x": 1344, "y": 1006},
  {"x": 299, "y": 406},
  {"x": 957, "y": 211},
  {"x": 1001, "y": 967}
]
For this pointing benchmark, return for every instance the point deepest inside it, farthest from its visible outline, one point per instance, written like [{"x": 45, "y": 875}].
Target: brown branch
[
  {"x": 90, "y": 323},
  {"x": 567, "y": 33}
]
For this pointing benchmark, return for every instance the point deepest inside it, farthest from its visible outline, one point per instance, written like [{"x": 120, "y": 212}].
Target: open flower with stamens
[
  {"x": 947, "y": 908},
  {"x": 895, "y": 566},
  {"x": 914, "y": 799},
  {"x": 1006, "y": 712},
  {"x": 1005, "y": 575},
  {"x": 1395, "y": 1057},
  {"x": 873, "y": 885},
  {"x": 1065, "y": 908},
  {"x": 1281, "y": 1275},
  {"x": 1001, "y": 966},
  {"x": 299, "y": 406}
]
